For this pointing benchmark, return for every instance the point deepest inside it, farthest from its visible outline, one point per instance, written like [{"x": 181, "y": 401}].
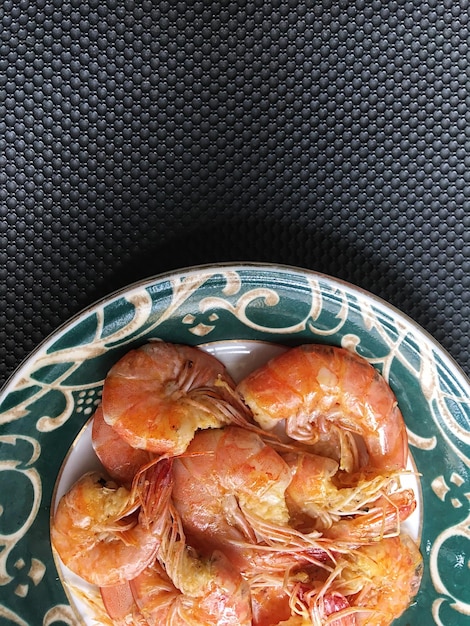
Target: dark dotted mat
[{"x": 140, "y": 136}]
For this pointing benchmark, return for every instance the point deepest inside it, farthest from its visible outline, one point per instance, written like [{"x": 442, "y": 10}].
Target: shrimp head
[{"x": 157, "y": 396}]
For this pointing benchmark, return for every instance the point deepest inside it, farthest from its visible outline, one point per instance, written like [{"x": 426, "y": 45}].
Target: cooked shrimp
[
  {"x": 157, "y": 396},
  {"x": 184, "y": 588},
  {"x": 224, "y": 474},
  {"x": 370, "y": 586},
  {"x": 121, "y": 461},
  {"x": 229, "y": 489},
  {"x": 106, "y": 533},
  {"x": 367, "y": 502},
  {"x": 333, "y": 399},
  {"x": 381, "y": 579}
]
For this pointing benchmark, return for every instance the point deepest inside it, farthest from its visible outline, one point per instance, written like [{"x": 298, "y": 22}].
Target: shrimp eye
[
  {"x": 190, "y": 364},
  {"x": 102, "y": 482}
]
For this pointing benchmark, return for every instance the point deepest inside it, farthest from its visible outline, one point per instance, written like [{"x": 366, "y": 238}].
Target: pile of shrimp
[{"x": 274, "y": 502}]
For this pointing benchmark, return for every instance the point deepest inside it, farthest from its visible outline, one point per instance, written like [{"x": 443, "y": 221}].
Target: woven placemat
[{"x": 136, "y": 137}]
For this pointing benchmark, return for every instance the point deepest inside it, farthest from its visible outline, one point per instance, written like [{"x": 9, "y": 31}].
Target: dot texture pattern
[{"x": 138, "y": 137}]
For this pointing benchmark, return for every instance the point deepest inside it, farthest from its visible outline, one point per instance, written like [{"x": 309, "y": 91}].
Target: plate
[{"x": 52, "y": 396}]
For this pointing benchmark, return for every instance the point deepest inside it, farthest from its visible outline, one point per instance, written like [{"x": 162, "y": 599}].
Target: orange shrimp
[
  {"x": 119, "y": 459},
  {"x": 107, "y": 534},
  {"x": 221, "y": 599},
  {"x": 184, "y": 588},
  {"x": 224, "y": 474},
  {"x": 369, "y": 586},
  {"x": 381, "y": 579},
  {"x": 358, "y": 507},
  {"x": 229, "y": 489},
  {"x": 333, "y": 399},
  {"x": 157, "y": 396}
]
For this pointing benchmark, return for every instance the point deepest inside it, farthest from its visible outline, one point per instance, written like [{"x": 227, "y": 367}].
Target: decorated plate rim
[{"x": 233, "y": 266}]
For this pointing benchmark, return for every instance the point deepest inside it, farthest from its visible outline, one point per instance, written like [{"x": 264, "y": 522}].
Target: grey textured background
[{"x": 138, "y": 136}]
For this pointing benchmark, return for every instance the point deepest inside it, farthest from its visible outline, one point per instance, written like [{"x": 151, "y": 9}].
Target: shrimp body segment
[
  {"x": 157, "y": 396},
  {"x": 107, "y": 534},
  {"x": 327, "y": 394},
  {"x": 119, "y": 605},
  {"x": 121, "y": 461}
]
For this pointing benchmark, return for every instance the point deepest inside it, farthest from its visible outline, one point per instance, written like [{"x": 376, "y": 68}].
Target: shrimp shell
[
  {"x": 121, "y": 461},
  {"x": 107, "y": 534},
  {"x": 157, "y": 396},
  {"x": 323, "y": 392}
]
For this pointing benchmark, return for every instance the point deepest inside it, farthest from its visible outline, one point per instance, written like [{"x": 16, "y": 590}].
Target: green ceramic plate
[{"x": 51, "y": 397}]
